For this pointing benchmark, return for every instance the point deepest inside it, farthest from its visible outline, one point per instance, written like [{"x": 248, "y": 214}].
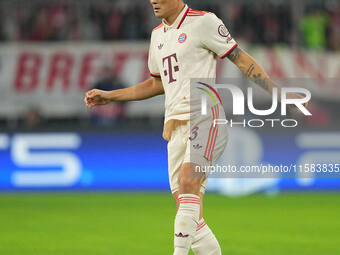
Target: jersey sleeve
[
  {"x": 215, "y": 36},
  {"x": 152, "y": 63}
]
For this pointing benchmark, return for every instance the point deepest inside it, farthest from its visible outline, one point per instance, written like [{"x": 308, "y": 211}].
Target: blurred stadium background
[{"x": 53, "y": 149}]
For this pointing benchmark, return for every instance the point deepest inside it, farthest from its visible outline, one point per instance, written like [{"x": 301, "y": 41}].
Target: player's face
[{"x": 164, "y": 8}]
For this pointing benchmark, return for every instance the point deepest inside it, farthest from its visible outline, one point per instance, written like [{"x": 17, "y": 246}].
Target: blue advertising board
[{"x": 138, "y": 161}]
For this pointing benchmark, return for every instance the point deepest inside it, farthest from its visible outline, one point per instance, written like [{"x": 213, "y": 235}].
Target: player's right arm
[{"x": 144, "y": 90}]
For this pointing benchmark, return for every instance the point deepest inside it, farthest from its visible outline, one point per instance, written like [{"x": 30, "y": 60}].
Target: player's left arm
[{"x": 254, "y": 71}]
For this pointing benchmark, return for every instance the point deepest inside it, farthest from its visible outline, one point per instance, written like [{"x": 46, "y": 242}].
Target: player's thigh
[
  {"x": 189, "y": 180},
  {"x": 205, "y": 144},
  {"x": 176, "y": 151}
]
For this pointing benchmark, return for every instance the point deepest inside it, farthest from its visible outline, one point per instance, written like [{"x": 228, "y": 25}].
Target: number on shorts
[{"x": 194, "y": 133}]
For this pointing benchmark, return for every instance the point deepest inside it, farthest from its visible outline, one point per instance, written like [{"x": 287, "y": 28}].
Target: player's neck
[{"x": 172, "y": 17}]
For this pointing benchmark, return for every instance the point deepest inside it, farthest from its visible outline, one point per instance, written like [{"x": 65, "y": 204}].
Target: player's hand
[{"x": 96, "y": 97}]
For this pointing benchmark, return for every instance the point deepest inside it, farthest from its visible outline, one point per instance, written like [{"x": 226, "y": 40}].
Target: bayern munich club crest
[
  {"x": 223, "y": 31},
  {"x": 182, "y": 38}
]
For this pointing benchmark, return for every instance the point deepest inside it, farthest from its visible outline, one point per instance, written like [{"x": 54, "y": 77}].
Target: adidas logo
[
  {"x": 181, "y": 235},
  {"x": 160, "y": 46},
  {"x": 197, "y": 146}
]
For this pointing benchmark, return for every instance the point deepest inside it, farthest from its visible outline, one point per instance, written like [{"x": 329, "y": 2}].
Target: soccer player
[{"x": 186, "y": 45}]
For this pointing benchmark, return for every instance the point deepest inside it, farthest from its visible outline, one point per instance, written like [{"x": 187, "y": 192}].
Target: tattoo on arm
[
  {"x": 250, "y": 70},
  {"x": 234, "y": 55},
  {"x": 262, "y": 82}
]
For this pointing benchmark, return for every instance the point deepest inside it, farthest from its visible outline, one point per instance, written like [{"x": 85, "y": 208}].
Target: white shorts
[{"x": 197, "y": 141}]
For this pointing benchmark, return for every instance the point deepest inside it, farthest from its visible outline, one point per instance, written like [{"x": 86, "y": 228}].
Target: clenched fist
[{"x": 96, "y": 97}]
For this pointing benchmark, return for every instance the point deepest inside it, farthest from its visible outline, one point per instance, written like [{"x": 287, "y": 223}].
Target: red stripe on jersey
[
  {"x": 213, "y": 137},
  {"x": 155, "y": 75},
  {"x": 232, "y": 48},
  {"x": 185, "y": 14},
  {"x": 194, "y": 13},
  {"x": 211, "y": 150},
  {"x": 201, "y": 226},
  {"x": 213, "y": 147},
  {"x": 159, "y": 26},
  {"x": 209, "y": 137},
  {"x": 191, "y": 12},
  {"x": 199, "y": 14},
  {"x": 198, "y": 11}
]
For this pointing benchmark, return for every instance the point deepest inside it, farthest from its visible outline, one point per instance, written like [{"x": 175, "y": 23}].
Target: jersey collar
[{"x": 179, "y": 20}]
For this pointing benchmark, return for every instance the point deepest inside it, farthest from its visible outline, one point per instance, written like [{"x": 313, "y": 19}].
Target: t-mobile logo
[{"x": 170, "y": 69}]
